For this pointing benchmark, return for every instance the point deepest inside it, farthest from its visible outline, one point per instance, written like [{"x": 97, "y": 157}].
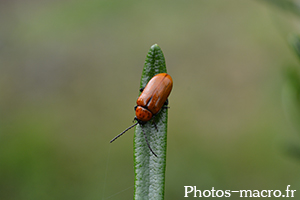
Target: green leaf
[{"x": 150, "y": 170}]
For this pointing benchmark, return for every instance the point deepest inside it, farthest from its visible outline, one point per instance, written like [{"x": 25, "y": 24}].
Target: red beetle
[{"x": 152, "y": 99}]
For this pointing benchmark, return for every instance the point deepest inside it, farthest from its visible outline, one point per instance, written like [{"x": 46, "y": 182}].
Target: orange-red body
[
  {"x": 153, "y": 97},
  {"x": 151, "y": 101}
]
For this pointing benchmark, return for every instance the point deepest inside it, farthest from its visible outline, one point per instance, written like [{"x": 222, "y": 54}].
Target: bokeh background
[{"x": 69, "y": 79}]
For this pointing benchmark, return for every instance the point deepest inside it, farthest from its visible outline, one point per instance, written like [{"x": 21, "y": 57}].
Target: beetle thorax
[{"x": 142, "y": 114}]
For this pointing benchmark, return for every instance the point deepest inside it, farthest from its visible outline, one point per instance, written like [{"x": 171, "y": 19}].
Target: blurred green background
[{"x": 70, "y": 73}]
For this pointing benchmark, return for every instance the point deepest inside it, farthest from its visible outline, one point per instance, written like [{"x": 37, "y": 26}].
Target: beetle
[{"x": 152, "y": 99}]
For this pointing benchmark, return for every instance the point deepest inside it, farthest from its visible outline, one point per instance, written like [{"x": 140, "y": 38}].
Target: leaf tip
[{"x": 155, "y": 47}]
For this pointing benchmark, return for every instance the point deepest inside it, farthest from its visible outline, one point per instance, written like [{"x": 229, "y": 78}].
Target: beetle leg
[
  {"x": 134, "y": 119},
  {"x": 167, "y": 102},
  {"x": 153, "y": 122},
  {"x": 142, "y": 89}
]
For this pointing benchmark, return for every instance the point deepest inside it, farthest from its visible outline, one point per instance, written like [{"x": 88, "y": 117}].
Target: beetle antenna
[
  {"x": 123, "y": 132},
  {"x": 148, "y": 142},
  {"x": 153, "y": 122}
]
